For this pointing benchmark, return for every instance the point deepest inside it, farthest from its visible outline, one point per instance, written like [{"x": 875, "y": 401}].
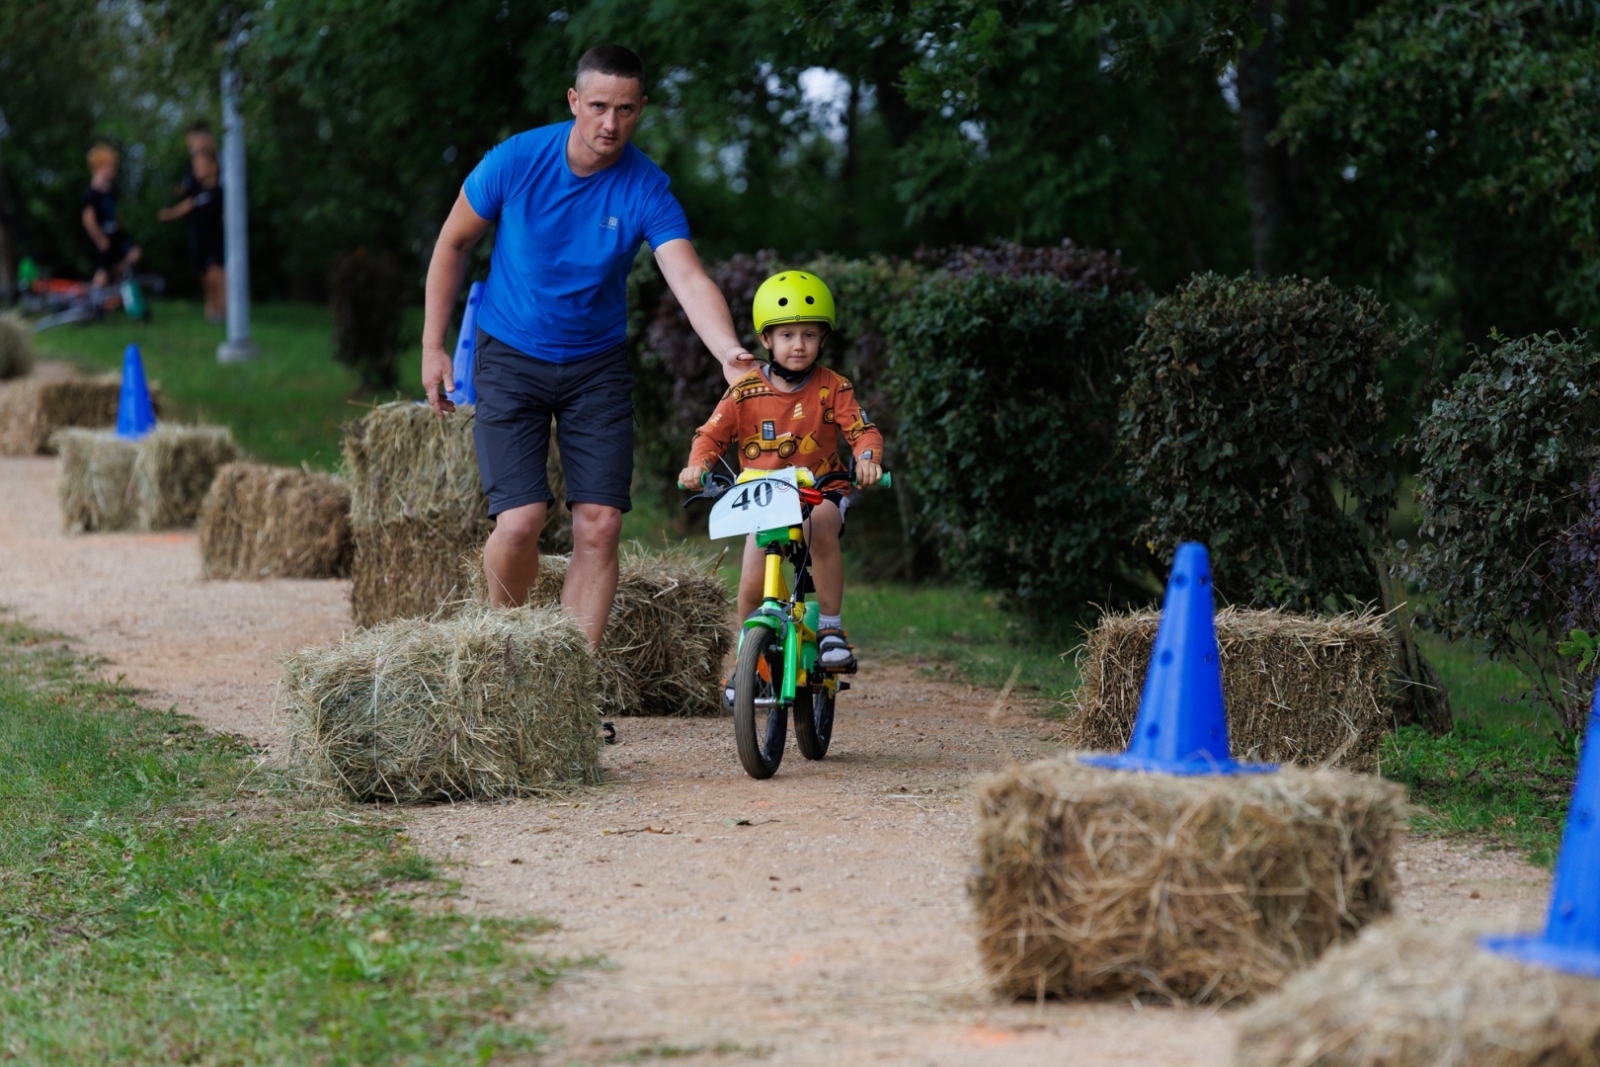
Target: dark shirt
[
  {"x": 105, "y": 209},
  {"x": 206, "y": 211}
]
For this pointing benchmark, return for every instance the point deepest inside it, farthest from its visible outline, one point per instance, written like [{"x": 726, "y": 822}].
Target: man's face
[{"x": 606, "y": 108}]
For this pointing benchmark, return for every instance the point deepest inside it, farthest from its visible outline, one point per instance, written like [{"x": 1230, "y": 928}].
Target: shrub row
[{"x": 1060, "y": 432}]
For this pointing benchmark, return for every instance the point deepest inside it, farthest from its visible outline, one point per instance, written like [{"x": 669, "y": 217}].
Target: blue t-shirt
[{"x": 558, "y": 279}]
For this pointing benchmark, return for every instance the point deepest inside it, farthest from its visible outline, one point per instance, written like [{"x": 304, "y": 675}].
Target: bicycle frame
[{"x": 787, "y": 614}]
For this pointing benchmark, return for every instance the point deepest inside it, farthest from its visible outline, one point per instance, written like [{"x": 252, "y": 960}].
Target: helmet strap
[{"x": 790, "y": 376}]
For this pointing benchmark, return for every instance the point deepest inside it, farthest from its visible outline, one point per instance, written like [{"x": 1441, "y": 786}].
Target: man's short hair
[
  {"x": 611, "y": 59},
  {"x": 199, "y": 126}
]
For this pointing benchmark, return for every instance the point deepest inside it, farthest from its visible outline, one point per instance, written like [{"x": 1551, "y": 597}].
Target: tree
[{"x": 1449, "y": 154}]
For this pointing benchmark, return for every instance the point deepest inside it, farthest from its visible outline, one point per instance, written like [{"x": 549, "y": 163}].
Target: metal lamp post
[{"x": 236, "y": 227}]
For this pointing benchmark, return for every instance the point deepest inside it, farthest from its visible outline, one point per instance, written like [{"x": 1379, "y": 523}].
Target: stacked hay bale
[
  {"x": 1098, "y": 882},
  {"x": 1409, "y": 996},
  {"x": 668, "y": 632},
  {"x": 1299, "y": 689},
  {"x": 483, "y": 704},
  {"x": 16, "y": 346},
  {"x": 416, "y": 507},
  {"x": 33, "y": 409},
  {"x": 155, "y": 483},
  {"x": 259, "y": 521}
]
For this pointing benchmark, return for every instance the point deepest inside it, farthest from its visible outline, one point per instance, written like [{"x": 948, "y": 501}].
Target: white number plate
[{"x": 760, "y": 504}]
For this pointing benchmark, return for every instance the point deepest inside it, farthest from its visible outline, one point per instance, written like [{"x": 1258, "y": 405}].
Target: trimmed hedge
[
  {"x": 1504, "y": 454},
  {"x": 1007, "y": 392},
  {"x": 1252, "y": 407}
]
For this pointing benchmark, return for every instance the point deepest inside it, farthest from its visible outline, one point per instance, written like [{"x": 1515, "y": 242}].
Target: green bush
[
  {"x": 1254, "y": 422},
  {"x": 367, "y": 292},
  {"x": 1504, "y": 453},
  {"x": 1006, "y": 391}
]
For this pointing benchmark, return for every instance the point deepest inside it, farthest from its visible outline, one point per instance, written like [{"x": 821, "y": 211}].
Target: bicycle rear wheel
[
  {"x": 759, "y": 719},
  {"x": 813, "y": 721}
]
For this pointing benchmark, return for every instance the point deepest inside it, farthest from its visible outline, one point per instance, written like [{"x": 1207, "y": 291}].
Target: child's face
[
  {"x": 105, "y": 173},
  {"x": 794, "y": 345}
]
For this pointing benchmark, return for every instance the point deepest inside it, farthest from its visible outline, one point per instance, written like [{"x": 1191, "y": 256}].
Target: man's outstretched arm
[
  {"x": 462, "y": 230},
  {"x": 705, "y": 305}
]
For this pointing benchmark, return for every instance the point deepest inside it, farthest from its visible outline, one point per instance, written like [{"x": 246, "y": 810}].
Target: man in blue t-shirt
[{"x": 572, "y": 202}]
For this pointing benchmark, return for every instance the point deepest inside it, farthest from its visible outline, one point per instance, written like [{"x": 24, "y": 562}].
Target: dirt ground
[{"x": 817, "y": 917}]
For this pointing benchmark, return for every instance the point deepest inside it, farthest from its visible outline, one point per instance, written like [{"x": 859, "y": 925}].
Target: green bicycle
[{"x": 777, "y": 671}]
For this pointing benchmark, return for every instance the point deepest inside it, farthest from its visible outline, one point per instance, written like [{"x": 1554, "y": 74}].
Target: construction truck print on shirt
[{"x": 773, "y": 429}]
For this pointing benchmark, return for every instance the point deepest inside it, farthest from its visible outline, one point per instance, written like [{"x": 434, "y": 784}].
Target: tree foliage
[
  {"x": 1006, "y": 389},
  {"x": 1450, "y": 153},
  {"x": 1504, "y": 453},
  {"x": 1254, "y": 421}
]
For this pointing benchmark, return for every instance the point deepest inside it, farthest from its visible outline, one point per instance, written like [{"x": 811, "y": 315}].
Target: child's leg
[
  {"x": 827, "y": 560},
  {"x": 827, "y": 574},
  {"x": 751, "y": 577}
]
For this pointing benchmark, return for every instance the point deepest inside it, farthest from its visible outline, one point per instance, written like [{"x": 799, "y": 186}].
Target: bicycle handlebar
[{"x": 714, "y": 485}]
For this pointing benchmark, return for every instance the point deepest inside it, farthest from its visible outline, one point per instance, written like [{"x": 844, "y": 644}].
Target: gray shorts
[{"x": 591, "y": 401}]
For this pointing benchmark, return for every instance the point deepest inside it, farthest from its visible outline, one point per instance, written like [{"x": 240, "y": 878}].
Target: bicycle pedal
[{"x": 843, "y": 686}]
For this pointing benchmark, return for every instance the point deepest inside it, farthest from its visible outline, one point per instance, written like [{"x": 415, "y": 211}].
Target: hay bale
[
  {"x": 16, "y": 346},
  {"x": 155, "y": 483},
  {"x": 275, "y": 522},
  {"x": 33, "y": 409},
  {"x": 669, "y": 630},
  {"x": 1299, "y": 689},
  {"x": 484, "y": 704},
  {"x": 1404, "y": 995},
  {"x": 1094, "y": 882},
  {"x": 96, "y": 491},
  {"x": 416, "y": 507}
]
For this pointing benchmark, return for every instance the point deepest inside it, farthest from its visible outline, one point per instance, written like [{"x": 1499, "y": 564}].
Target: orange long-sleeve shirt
[{"x": 774, "y": 429}]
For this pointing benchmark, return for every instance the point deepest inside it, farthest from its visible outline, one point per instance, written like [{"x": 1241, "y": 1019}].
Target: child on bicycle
[{"x": 791, "y": 412}]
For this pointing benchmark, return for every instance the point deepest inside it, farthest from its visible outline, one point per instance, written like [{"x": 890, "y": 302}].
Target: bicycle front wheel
[{"x": 759, "y": 718}]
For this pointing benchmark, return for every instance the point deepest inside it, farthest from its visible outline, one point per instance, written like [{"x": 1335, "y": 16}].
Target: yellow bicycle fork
[{"x": 798, "y": 623}]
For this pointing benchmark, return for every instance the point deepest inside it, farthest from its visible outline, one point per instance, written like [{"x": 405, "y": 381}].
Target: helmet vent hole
[
  {"x": 811, "y": 300},
  {"x": 783, "y": 301}
]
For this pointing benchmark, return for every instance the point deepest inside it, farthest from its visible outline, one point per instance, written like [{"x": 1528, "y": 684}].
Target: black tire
[
  {"x": 759, "y": 731},
  {"x": 813, "y": 721}
]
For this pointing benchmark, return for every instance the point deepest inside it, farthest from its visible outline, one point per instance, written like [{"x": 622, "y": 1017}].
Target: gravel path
[{"x": 815, "y": 918}]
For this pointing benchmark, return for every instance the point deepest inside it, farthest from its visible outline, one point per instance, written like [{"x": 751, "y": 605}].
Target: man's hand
[
  {"x": 463, "y": 229},
  {"x": 868, "y": 472},
  {"x": 438, "y": 377},
  {"x": 691, "y": 477},
  {"x": 736, "y": 364}
]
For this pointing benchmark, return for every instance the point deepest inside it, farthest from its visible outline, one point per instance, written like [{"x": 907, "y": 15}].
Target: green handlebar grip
[{"x": 885, "y": 481}]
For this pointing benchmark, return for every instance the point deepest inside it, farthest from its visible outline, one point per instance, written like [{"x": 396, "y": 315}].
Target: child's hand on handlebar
[
  {"x": 868, "y": 472},
  {"x": 691, "y": 478}
]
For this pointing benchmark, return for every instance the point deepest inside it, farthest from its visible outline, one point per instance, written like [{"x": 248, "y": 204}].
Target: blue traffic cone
[
  {"x": 1571, "y": 938},
  {"x": 466, "y": 357},
  {"x": 135, "y": 416},
  {"x": 1182, "y": 727}
]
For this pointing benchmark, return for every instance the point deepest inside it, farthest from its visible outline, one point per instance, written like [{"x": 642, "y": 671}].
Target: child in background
[
  {"x": 114, "y": 251},
  {"x": 202, "y": 207},
  {"x": 791, "y": 412}
]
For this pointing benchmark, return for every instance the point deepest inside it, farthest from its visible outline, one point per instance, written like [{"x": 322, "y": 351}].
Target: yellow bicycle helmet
[{"x": 792, "y": 296}]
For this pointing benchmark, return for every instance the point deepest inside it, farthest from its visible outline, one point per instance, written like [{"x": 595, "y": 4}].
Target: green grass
[
  {"x": 1503, "y": 775},
  {"x": 957, "y": 632},
  {"x": 159, "y": 907},
  {"x": 285, "y": 407}
]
